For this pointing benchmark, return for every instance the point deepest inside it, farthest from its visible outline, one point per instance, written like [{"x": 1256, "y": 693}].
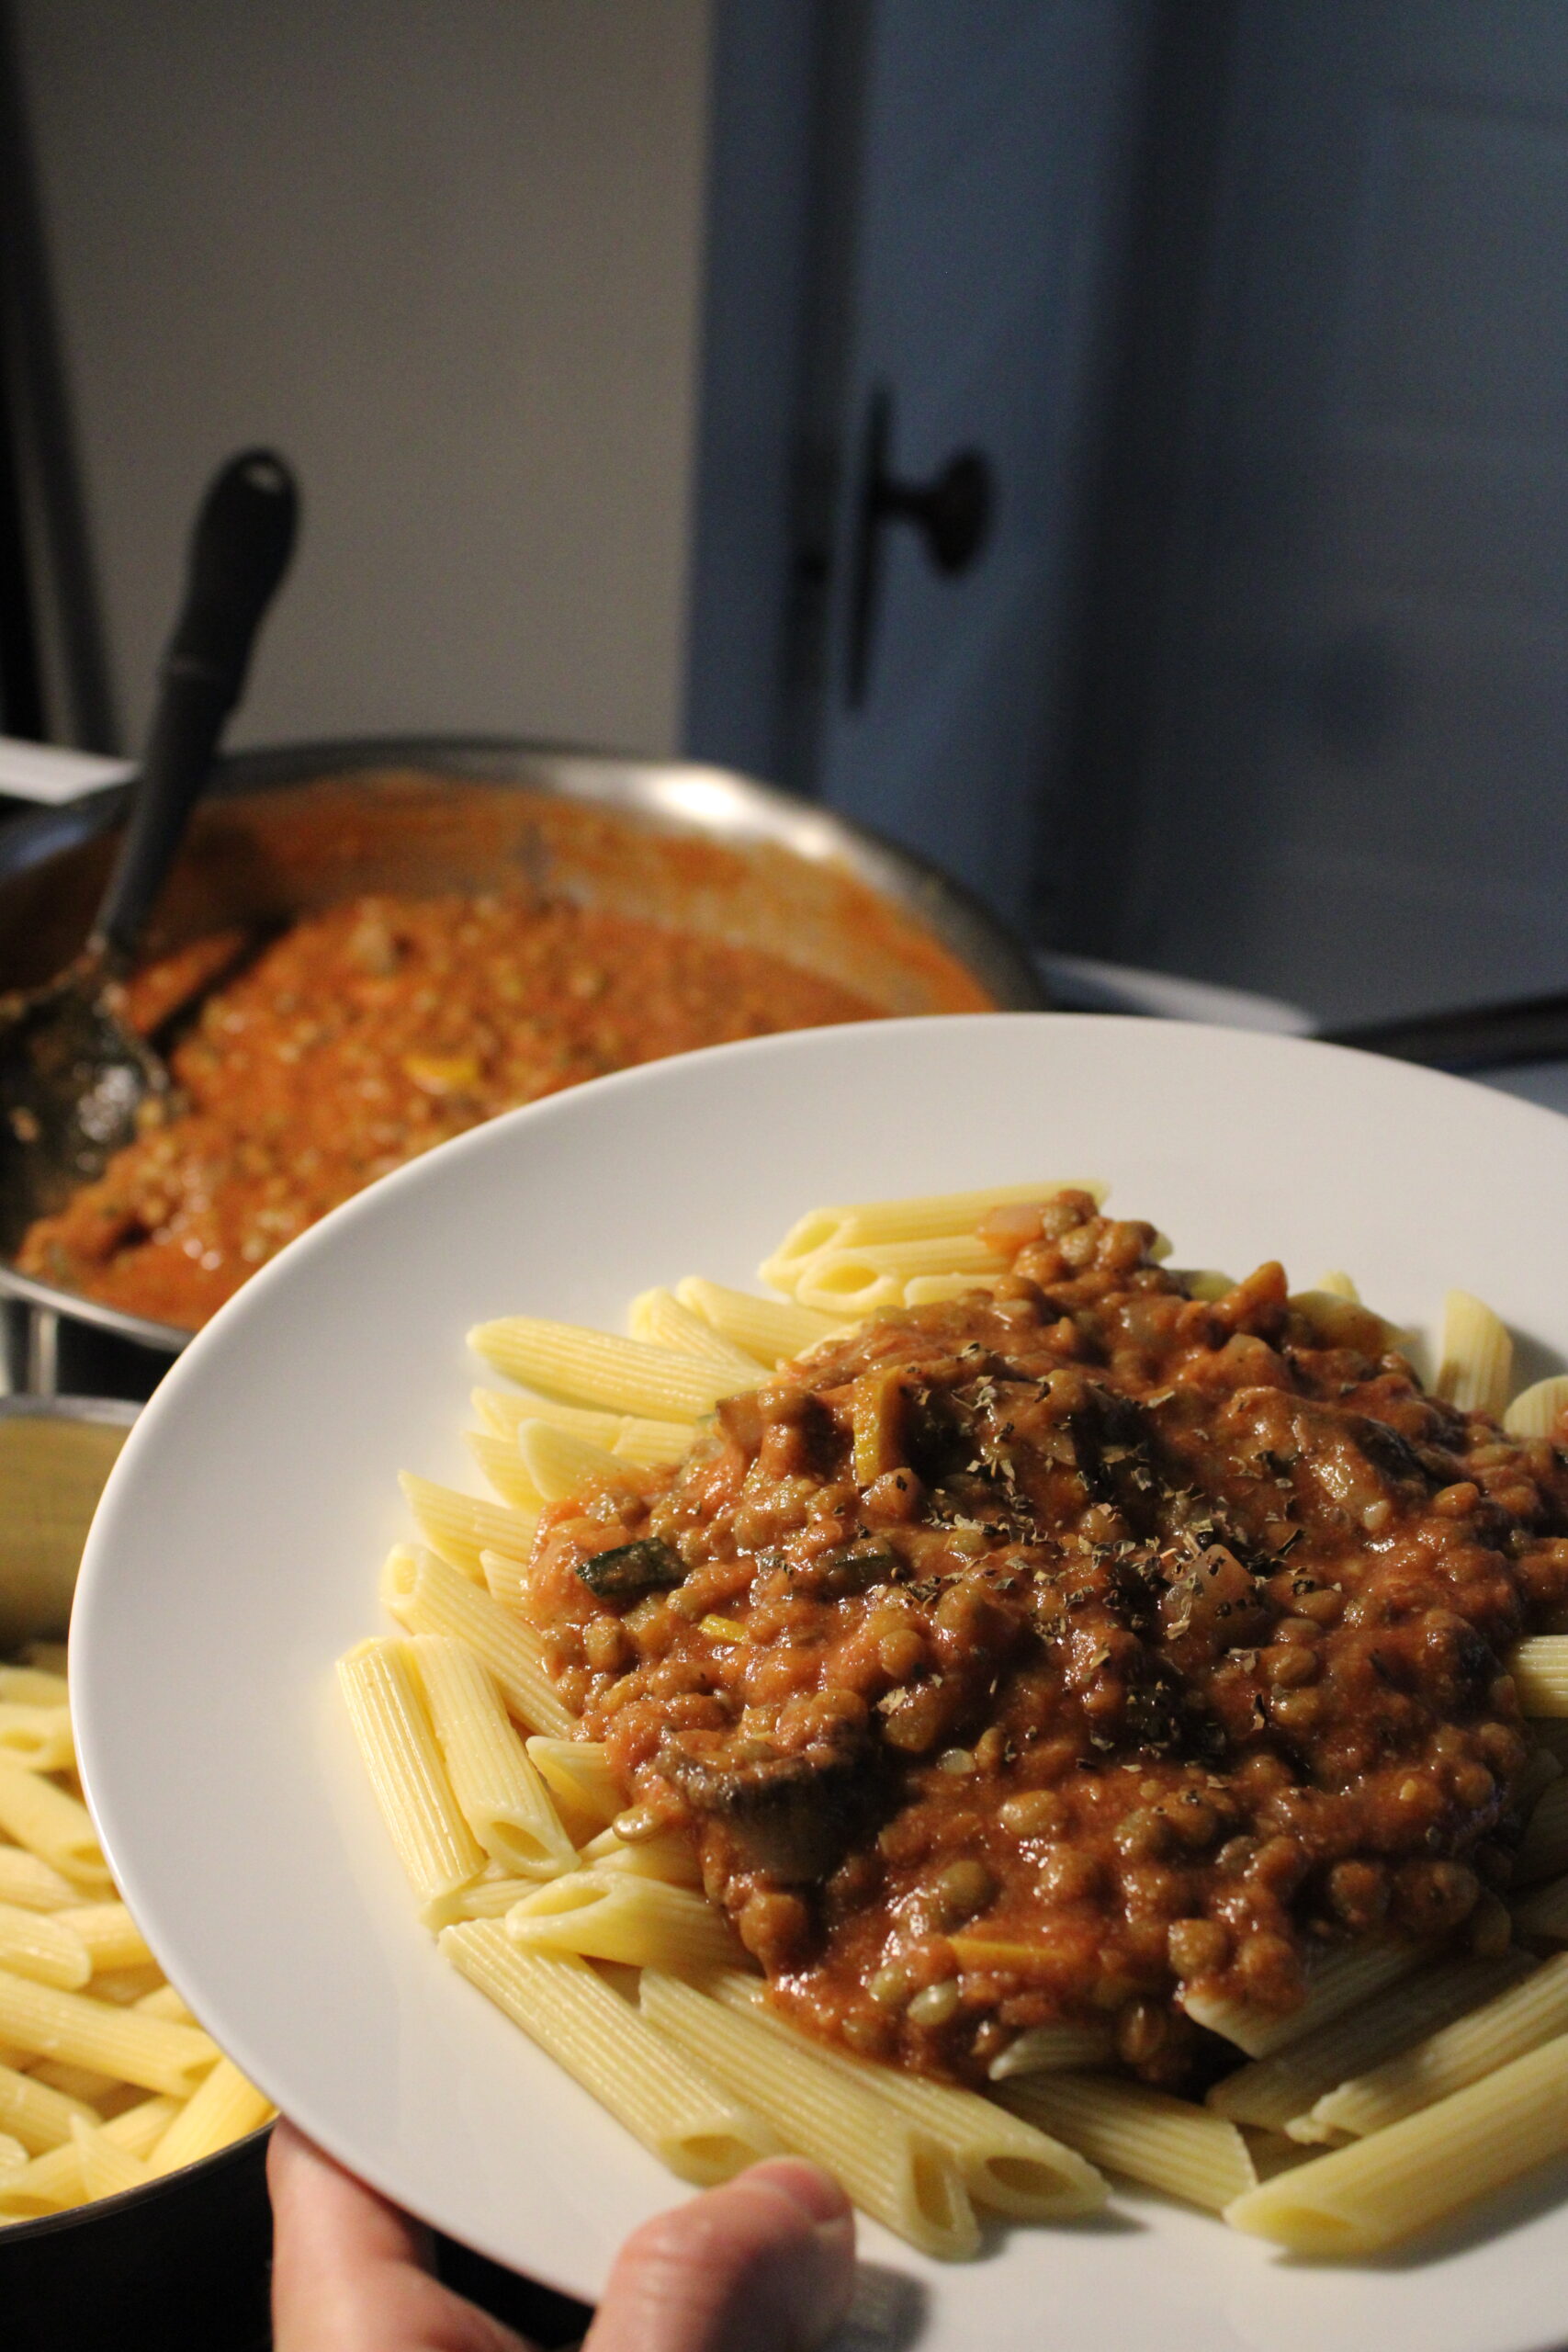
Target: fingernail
[
  {"x": 814, "y": 2192},
  {"x": 821, "y": 2283}
]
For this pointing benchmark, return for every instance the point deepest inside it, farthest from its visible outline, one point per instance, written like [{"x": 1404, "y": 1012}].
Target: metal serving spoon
[{"x": 73, "y": 1078}]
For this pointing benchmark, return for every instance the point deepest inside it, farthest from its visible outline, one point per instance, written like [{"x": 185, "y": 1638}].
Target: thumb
[{"x": 765, "y": 2264}]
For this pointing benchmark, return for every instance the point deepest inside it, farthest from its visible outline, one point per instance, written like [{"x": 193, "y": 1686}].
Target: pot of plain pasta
[
  {"x": 365, "y": 946},
  {"x": 102, "y": 2214}
]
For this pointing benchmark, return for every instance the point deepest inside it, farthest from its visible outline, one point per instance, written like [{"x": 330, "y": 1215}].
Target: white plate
[{"x": 236, "y": 1552}]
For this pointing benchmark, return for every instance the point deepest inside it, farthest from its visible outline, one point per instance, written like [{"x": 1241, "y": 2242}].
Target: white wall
[{"x": 446, "y": 255}]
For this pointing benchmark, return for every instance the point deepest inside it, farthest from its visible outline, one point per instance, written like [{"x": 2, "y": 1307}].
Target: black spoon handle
[{"x": 240, "y": 548}]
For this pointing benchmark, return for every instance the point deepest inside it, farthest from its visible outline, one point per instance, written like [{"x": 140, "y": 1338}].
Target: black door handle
[{"x": 952, "y": 513}]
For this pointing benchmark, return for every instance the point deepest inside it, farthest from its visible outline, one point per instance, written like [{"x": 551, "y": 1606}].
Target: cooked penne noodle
[
  {"x": 894, "y": 2170},
  {"x": 854, "y": 1281},
  {"x": 438, "y": 1851},
  {"x": 559, "y": 1463},
  {"x": 1052, "y": 2050},
  {"x": 1518, "y": 2019},
  {"x": 51, "y": 1824},
  {"x": 1341, "y": 1980},
  {"x": 39, "y": 1737},
  {"x": 52, "y": 2183},
  {"x": 767, "y": 1328},
  {"x": 111, "y": 1936},
  {"x": 225, "y": 2108},
  {"x": 1536, "y": 1410},
  {"x": 427, "y": 1595},
  {"x": 921, "y": 1218},
  {"x": 672, "y": 1856},
  {"x": 576, "y": 1773},
  {"x": 633, "y": 1438},
  {"x": 459, "y": 1527},
  {"x": 1385, "y": 2188},
  {"x": 1475, "y": 1357},
  {"x": 492, "y": 1896},
  {"x": 935, "y": 1290},
  {"x": 675, "y": 2108},
  {"x": 587, "y": 1367},
  {"x": 13, "y": 2155},
  {"x": 499, "y": 1792},
  {"x": 1143, "y": 2134},
  {"x": 502, "y": 1464},
  {"x": 665, "y": 1321},
  {"x": 124, "y": 2043},
  {"x": 506, "y": 1581},
  {"x": 611, "y": 1914},
  {"x": 166, "y": 2002},
  {"x": 34, "y": 1943},
  {"x": 1005, "y": 2163},
  {"x": 28, "y": 1879},
  {"x": 1544, "y": 1849},
  {"x": 36, "y": 2115},
  {"x": 127, "y": 1987},
  {"x": 1278, "y": 2093},
  {"x": 1539, "y": 1668},
  {"x": 106, "y": 2168}
]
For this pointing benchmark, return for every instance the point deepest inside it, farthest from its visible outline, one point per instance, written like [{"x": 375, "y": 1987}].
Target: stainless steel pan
[{"x": 285, "y": 832}]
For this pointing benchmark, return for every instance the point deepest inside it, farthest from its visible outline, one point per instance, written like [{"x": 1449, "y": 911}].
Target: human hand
[{"x": 765, "y": 2264}]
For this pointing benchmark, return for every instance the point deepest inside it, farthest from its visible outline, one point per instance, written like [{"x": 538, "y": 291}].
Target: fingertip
[{"x": 816, "y": 2192}]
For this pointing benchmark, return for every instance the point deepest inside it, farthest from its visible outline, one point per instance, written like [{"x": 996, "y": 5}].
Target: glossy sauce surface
[
  {"x": 1056, "y": 1654},
  {"x": 361, "y": 1038}
]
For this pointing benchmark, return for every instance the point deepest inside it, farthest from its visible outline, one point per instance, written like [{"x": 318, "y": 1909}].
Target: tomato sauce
[
  {"x": 1058, "y": 1654},
  {"x": 361, "y": 1038}
]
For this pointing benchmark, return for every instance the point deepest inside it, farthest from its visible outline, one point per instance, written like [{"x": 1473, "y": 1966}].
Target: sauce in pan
[{"x": 361, "y": 1038}]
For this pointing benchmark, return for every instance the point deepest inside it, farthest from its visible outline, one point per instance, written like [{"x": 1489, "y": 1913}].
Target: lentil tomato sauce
[
  {"x": 362, "y": 1036},
  {"x": 1055, "y": 1654}
]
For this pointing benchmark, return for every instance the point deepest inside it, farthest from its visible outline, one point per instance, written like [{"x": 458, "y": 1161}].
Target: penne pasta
[
  {"x": 1145, "y": 2134},
  {"x": 1539, "y": 1668},
  {"x": 1518, "y": 2019},
  {"x": 633, "y": 1438},
  {"x": 502, "y": 1464},
  {"x": 1052, "y": 2050},
  {"x": 427, "y": 1595},
  {"x": 613, "y": 1915},
  {"x": 36, "y": 2114},
  {"x": 922, "y": 1217},
  {"x": 225, "y": 2108},
  {"x": 1278, "y": 2093},
  {"x": 499, "y": 1791},
  {"x": 124, "y": 2043},
  {"x": 111, "y": 1936},
  {"x": 767, "y": 1328},
  {"x": 892, "y": 2168},
  {"x": 35, "y": 1944},
  {"x": 1341, "y": 1980},
  {"x": 31, "y": 1686},
  {"x": 854, "y": 1281},
  {"x": 28, "y": 1879},
  {"x": 39, "y": 1737},
  {"x": 1387, "y": 2186},
  {"x": 672, "y": 1856},
  {"x": 438, "y": 1851},
  {"x": 1006, "y": 2165},
  {"x": 666, "y": 1321},
  {"x": 689, "y": 2120},
  {"x": 55, "y": 1826},
  {"x": 576, "y": 1773},
  {"x": 1476, "y": 1356},
  {"x": 459, "y": 1527},
  {"x": 1536, "y": 1410},
  {"x": 53, "y": 2182},
  {"x": 587, "y": 1367},
  {"x": 558, "y": 1462}
]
